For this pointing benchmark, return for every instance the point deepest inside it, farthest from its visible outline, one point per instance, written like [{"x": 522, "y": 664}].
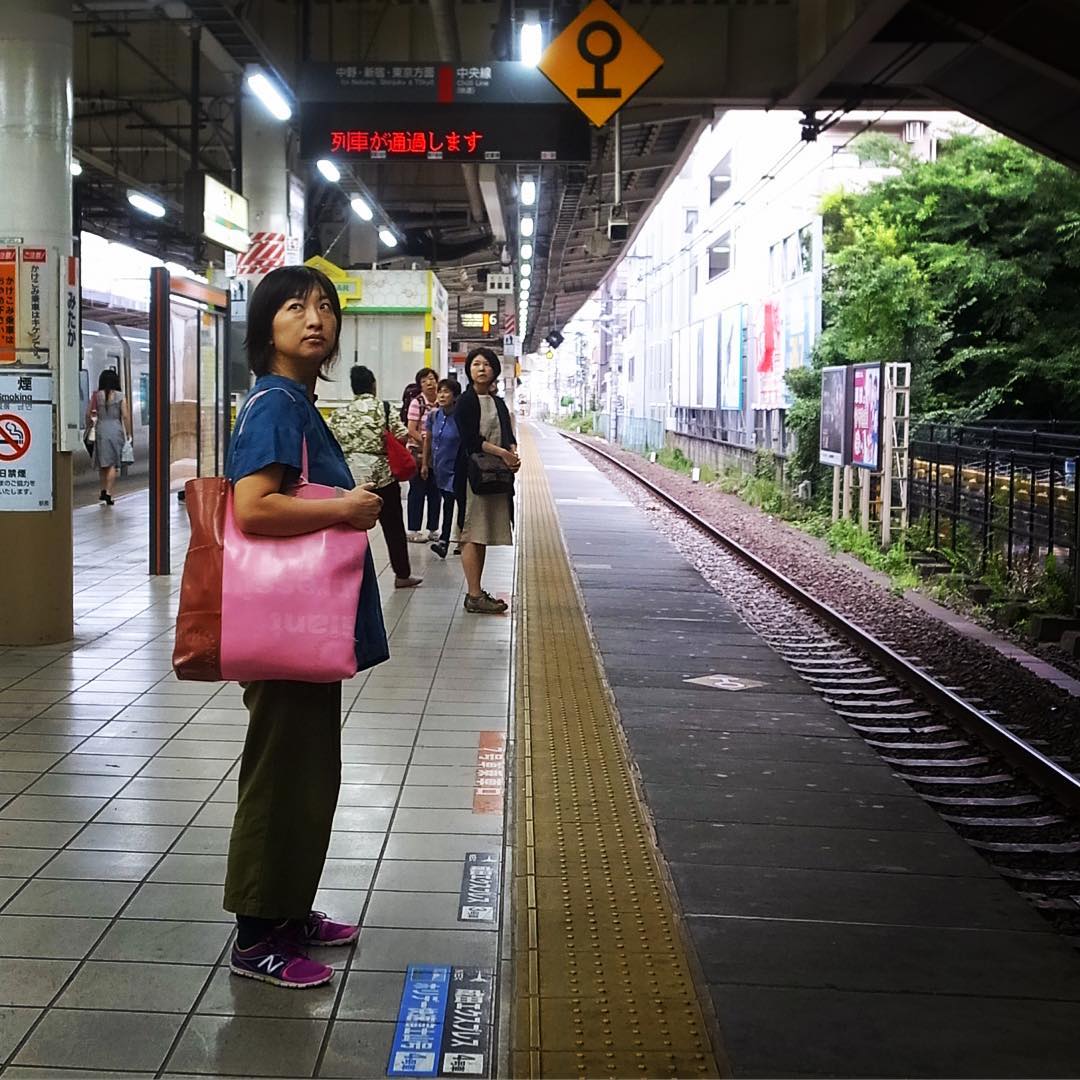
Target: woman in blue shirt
[
  {"x": 440, "y": 456},
  {"x": 291, "y": 768}
]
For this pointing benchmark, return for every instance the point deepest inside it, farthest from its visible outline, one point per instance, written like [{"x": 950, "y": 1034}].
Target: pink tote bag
[{"x": 288, "y": 604}]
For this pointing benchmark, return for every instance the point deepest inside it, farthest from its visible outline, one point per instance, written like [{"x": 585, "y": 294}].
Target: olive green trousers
[{"x": 289, "y": 779}]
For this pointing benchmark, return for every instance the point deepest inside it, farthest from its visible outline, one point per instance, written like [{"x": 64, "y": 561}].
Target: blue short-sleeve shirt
[
  {"x": 445, "y": 440},
  {"x": 271, "y": 430}
]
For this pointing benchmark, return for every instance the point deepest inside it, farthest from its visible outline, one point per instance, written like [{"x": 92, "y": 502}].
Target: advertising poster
[
  {"x": 832, "y": 448},
  {"x": 866, "y": 416},
  {"x": 731, "y": 359}
]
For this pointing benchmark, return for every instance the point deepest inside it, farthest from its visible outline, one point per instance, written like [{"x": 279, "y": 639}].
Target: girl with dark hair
[
  {"x": 360, "y": 427},
  {"x": 108, "y": 411},
  {"x": 291, "y": 766},
  {"x": 422, "y": 490},
  {"x": 486, "y": 427}
]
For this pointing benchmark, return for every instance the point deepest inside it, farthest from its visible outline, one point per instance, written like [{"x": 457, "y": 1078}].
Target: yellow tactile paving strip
[{"x": 603, "y": 987}]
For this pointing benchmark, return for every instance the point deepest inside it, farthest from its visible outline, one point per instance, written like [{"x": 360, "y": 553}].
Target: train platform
[{"x": 634, "y": 874}]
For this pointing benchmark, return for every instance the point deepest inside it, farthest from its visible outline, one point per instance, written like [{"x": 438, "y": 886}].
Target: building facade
[{"x": 718, "y": 294}]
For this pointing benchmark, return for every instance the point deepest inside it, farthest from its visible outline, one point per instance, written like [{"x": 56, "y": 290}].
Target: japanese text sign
[{"x": 9, "y": 303}]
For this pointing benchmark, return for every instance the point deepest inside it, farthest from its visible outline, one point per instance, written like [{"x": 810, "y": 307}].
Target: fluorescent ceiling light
[
  {"x": 532, "y": 43},
  {"x": 528, "y": 192},
  {"x": 328, "y": 169},
  {"x": 76, "y": 168},
  {"x": 388, "y": 238},
  {"x": 525, "y": 270},
  {"x": 525, "y": 290},
  {"x": 269, "y": 95},
  {"x": 361, "y": 208},
  {"x": 146, "y": 204},
  {"x": 526, "y": 251},
  {"x": 527, "y": 225}
]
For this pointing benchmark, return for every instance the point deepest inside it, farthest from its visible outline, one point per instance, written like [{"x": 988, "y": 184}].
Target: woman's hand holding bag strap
[{"x": 402, "y": 463}]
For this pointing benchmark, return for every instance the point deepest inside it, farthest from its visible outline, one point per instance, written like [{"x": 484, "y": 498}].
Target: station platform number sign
[{"x": 600, "y": 62}]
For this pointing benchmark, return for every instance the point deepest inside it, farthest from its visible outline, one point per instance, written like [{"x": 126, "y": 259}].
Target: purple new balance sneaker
[
  {"x": 319, "y": 930},
  {"x": 280, "y": 961}
]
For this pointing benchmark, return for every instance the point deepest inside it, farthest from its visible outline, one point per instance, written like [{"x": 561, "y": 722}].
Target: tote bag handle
[{"x": 242, "y": 418}]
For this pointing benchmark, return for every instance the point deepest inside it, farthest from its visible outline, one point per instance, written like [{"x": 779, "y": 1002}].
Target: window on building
[
  {"x": 720, "y": 256},
  {"x": 691, "y": 221},
  {"x": 693, "y": 278},
  {"x": 791, "y": 259},
  {"x": 720, "y": 178},
  {"x": 775, "y": 272},
  {"x": 699, "y": 338},
  {"x": 806, "y": 249}
]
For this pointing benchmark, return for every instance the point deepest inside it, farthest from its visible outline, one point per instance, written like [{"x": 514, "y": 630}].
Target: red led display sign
[
  {"x": 435, "y": 144},
  {"x": 458, "y": 131}
]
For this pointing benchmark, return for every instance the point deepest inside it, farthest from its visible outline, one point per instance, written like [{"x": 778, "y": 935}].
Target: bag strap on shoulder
[{"x": 242, "y": 420}]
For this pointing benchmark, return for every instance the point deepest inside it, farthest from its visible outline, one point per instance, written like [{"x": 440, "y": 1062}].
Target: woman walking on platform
[
  {"x": 360, "y": 427},
  {"x": 108, "y": 411},
  {"x": 486, "y": 427},
  {"x": 291, "y": 767}
]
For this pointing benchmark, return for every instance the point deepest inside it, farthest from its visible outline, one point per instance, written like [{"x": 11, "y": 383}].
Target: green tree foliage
[{"x": 969, "y": 268}]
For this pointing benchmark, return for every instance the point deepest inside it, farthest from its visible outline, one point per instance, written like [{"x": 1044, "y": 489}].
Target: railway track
[{"x": 1015, "y": 804}]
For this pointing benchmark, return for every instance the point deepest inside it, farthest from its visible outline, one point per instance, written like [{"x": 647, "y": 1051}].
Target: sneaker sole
[
  {"x": 333, "y": 944},
  {"x": 278, "y": 982}
]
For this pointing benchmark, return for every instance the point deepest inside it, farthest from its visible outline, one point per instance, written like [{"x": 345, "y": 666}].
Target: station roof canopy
[{"x": 143, "y": 120}]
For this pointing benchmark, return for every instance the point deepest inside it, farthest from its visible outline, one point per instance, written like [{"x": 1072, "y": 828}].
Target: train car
[{"x": 126, "y": 350}]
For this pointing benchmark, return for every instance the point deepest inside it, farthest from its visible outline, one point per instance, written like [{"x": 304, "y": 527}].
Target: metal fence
[
  {"x": 979, "y": 489},
  {"x": 638, "y": 433},
  {"x": 1056, "y": 437}
]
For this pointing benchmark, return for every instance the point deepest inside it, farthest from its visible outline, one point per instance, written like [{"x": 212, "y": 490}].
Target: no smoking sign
[
  {"x": 26, "y": 440},
  {"x": 15, "y": 437}
]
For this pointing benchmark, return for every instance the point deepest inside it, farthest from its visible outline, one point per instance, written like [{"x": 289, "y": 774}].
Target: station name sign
[{"x": 500, "y": 111}]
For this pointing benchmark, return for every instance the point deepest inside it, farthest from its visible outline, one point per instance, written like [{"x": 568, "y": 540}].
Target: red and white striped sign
[
  {"x": 509, "y": 323},
  {"x": 267, "y": 252}
]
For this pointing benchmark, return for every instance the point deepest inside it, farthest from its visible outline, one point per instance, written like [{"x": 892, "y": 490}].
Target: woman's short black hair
[
  {"x": 488, "y": 355},
  {"x": 450, "y": 384},
  {"x": 109, "y": 380},
  {"x": 279, "y": 286},
  {"x": 362, "y": 379},
  {"x": 423, "y": 373}
]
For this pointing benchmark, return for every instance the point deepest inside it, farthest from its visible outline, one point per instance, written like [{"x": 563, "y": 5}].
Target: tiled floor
[{"x": 117, "y": 785}]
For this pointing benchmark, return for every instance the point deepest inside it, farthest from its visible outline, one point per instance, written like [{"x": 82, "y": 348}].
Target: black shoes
[
  {"x": 439, "y": 548},
  {"x": 105, "y": 497}
]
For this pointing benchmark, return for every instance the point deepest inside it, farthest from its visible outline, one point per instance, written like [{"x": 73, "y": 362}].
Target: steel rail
[{"x": 1036, "y": 766}]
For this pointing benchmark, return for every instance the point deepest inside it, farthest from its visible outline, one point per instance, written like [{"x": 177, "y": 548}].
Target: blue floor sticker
[
  {"x": 444, "y": 1022},
  {"x": 419, "y": 1033}
]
